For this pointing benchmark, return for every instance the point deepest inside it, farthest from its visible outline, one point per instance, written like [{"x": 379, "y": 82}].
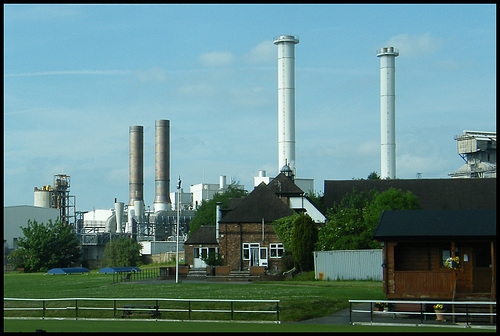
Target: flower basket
[
  {"x": 439, "y": 308},
  {"x": 453, "y": 263}
]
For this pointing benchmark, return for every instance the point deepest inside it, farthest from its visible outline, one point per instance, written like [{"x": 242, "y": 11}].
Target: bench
[
  {"x": 132, "y": 310},
  {"x": 126, "y": 277}
]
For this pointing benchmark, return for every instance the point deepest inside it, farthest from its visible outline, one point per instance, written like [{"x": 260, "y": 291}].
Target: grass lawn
[
  {"x": 299, "y": 301},
  {"x": 175, "y": 327}
]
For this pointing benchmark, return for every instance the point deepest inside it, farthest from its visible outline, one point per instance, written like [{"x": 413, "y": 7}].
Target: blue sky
[{"x": 77, "y": 76}]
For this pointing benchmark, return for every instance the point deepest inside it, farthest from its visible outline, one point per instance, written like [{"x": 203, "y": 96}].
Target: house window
[
  {"x": 247, "y": 247},
  {"x": 276, "y": 250},
  {"x": 445, "y": 254}
]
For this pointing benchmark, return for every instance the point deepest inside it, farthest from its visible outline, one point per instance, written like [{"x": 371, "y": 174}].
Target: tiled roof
[
  {"x": 449, "y": 193},
  {"x": 260, "y": 204},
  {"x": 205, "y": 234},
  {"x": 281, "y": 184}
]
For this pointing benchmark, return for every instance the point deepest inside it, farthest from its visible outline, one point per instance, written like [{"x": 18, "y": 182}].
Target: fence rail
[
  {"x": 156, "y": 306},
  {"x": 144, "y": 274},
  {"x": 421, "y": 310}
]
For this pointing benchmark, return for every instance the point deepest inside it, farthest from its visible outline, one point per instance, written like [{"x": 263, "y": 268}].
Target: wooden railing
[{"x": 424, "y": 283}]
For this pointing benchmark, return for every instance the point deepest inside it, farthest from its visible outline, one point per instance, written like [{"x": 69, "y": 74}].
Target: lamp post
[{"x": 178, "y": 227}]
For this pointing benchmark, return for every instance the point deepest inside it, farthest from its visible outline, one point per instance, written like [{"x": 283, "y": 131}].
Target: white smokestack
[
  {"x": 286, "y": 100},
  {"x": 387, "y": 112},
  {"x": 119, "y": 216}
]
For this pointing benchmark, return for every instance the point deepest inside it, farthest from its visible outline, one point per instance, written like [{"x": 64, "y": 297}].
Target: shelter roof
[
  {"x": 70, "y": 270},
  {"x": 436, "y": 223},
  {"x": 449, "y": 193},
  {"x": 261, "y": 203}
]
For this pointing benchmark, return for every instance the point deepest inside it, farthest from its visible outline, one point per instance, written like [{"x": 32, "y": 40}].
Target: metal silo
[{"x": 42, "y": 197}]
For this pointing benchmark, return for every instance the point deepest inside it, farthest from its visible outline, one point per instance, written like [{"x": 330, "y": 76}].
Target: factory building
[
  {"x": 479, "y": 151},
  {"x": 15, "y": 217}
]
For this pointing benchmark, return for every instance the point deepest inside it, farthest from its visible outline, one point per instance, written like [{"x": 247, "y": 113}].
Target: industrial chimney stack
[
  {"x": 387, "y": 112},
  {"x": 286, "y": 100},
  {"x": 136, "y": 168},
  {"x": 162, "y": 165}
]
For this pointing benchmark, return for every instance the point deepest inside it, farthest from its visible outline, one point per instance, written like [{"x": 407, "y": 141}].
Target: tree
[
  {"x": 351, "y": 223},
  {"x": 305, "y": 235},
  {"x": 283, "y": 228},
  {"x": 122, "y": 252},
  {"x": 48, "y": 246},
  {"x": 373, "y": 176},
  {"x": 205, "y": 214}
]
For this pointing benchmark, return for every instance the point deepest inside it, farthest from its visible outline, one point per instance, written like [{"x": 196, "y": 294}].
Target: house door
[
  {"x": 200, "y": 253},
  {"x": 254, "y": 254},
  {"x": 481, "y": 275},
  {"x": 263, "y": 256}
]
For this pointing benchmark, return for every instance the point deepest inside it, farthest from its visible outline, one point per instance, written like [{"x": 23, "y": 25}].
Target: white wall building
[{"x": 15, "y": 217}]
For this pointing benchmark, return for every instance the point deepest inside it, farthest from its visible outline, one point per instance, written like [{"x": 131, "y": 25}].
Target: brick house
[{"x": 246, "y": 236}]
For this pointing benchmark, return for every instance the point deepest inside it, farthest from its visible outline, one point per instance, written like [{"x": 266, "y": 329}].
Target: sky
[{"x": 76, "y": 77}]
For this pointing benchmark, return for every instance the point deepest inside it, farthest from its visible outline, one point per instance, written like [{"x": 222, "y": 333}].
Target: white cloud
[
  {"x": 264, "y": 52},
  {"x": 70, "y": 72},
  {"x": 415, "y": 45},
  {"x": 216, "y": 58}
]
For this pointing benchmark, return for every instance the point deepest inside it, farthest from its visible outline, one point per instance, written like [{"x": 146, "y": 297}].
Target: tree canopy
[
  {"x": 205, "y": 214},
  {"x": 122, "y": 252},
  {"x": 47, "y": 246},
  {"x": 351, "y": 223}
]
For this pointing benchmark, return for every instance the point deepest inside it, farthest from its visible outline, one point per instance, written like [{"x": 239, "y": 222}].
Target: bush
[{"x": 122, "y": 252}]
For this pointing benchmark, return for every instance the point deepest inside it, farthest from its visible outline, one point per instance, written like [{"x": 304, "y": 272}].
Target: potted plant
[
  {"x": 212, "y": 260},
  {"x": 380, "y": 306},
  {"x": 439, "y": 308},
  {"x": 453, "y": 263}
]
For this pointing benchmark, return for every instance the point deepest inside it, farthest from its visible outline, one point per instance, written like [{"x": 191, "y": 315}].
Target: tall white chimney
[
  {"x": 286, "y": 100},
  {"x": 387, "y": 112}
]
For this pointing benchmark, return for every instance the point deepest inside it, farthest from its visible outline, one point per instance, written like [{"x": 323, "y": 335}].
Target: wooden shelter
[{"x": 417, "y": 243}]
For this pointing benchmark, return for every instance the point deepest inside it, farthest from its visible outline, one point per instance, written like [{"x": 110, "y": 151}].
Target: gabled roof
[
  {"x": 205, "y": 234},
  {"x": 436, "y": 223},
  {"x": 281, "y": 184},
  {"x": 261, "y": 203}
]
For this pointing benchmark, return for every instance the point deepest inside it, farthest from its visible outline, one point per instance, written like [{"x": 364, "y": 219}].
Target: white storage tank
[{"x": 42, "y": 197}]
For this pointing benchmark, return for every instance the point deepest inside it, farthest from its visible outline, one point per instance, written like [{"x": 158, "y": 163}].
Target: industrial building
[{"x": 479, "y": 151}]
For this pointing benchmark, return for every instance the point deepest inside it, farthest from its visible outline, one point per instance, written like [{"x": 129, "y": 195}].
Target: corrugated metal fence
[{"x": 348, "y": 265}]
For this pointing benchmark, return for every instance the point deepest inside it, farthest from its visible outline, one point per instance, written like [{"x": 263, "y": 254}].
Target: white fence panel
[{"x": 349, "y": 265}]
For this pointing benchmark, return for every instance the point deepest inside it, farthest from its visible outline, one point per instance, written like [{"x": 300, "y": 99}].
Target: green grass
[
  {"x": 175, "y": 327},
  {"x": 300, "y": 300}
]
